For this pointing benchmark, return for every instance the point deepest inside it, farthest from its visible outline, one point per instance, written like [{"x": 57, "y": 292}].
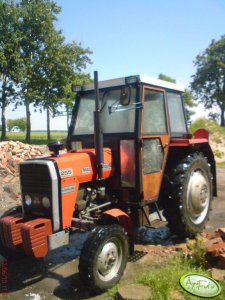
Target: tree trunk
[
  {"x": 4, "y": 104},
  {"x": 67, "y": 117},
  {"x": 27, "y": 104},
  {"x": 222, "y": 119},
  {"x": 48, "y": 125}
]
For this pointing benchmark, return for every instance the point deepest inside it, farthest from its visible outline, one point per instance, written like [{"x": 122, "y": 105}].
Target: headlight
[
  {"x": 28, "y": 200},
  {"x": 46, "y": 202}
]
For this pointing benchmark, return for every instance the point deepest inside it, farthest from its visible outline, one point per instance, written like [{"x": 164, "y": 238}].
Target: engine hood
[{"x": 82, "y": 164}]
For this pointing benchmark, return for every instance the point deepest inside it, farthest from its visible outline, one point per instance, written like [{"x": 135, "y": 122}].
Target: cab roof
[{"x": 136, "y": 78}]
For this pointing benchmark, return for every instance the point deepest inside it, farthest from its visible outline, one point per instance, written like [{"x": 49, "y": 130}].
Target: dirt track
[{"x": 56, "y": 276}]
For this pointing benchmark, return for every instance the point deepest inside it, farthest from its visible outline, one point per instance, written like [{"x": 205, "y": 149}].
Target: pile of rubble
[
  {"x": 215, "y": 248},
  {"x": 213, "y": 245},
  {"x": 12, "y": 153}
]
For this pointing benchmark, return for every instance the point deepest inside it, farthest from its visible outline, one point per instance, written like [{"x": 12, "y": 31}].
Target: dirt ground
[{"x": 56, "y": 276}]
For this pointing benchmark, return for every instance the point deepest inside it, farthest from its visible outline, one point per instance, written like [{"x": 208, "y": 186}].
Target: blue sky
[{"x": 139, "y": 37}]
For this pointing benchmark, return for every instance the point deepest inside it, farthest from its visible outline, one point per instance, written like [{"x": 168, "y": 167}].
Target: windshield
[{"x": 115, "y": 117}]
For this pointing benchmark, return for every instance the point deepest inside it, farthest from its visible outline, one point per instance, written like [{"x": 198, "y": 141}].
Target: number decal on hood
[{"x": 66, "y": 173}]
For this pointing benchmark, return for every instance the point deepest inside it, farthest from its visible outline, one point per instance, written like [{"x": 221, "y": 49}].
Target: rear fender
[{"x": 199, "y": 142}]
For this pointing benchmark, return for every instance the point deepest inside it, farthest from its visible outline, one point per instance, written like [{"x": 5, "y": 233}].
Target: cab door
[{"x": 155, "y": 141}]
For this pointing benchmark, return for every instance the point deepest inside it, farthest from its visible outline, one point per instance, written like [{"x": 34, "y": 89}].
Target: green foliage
[
  {"x": 36, "y": 65},
  {"x": 37, "y": 28},
  {"x": 10, "y": 57},
  {"x": 209, "y": 125},
  {"x": 21, "y": 123},
  {"x": 188, "y": 98},
  {"x": 218, "y": 153},
  {"x": 189, "y": 103},
  {"x": 214, "y": 116},
  {"x": 209, "y": 81},
  {"x": 162, "y": 76},
  {"x": 197, "y": 256},
  {"x": 217, "y": 135}
]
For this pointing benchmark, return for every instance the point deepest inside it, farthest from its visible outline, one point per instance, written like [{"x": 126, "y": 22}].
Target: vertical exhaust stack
[{"x": 98, "y": 129}]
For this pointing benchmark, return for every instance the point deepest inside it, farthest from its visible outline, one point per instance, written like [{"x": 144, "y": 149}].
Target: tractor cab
[{"x": 138, "y": 117}]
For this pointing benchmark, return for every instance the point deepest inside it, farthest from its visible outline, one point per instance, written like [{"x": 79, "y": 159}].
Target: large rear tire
[
  {"x": 189, "y": 196},
  {"x": 103, "y": 258}
]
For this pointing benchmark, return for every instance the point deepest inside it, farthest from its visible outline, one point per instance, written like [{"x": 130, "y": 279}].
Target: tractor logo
[
  {"x": 66, "y": 173},
  {"x": 86, "y": 170}
]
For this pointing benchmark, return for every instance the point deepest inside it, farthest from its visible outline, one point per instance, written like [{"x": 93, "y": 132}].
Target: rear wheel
[
  {"x": 189, "y": 197},
  {"x": 103, "y": 258}
]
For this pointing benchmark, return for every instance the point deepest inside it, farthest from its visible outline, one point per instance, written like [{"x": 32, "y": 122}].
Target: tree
[
  {"x": 67, "y": 100},
  {"x": 162, "y": 76},
  {"x": 209, "y": 81},
  {"x": 49, "y": 64},
  {"x": 37, "y": 26},
  {"x": 10, "y": 60},
  {"x": 36, "y": 66},
  {"x": 21, "y": 123},
  {"x": 189, "y": 103},
  {"x": 60, "y": 65},
  {"x": 187, "y": 96}
]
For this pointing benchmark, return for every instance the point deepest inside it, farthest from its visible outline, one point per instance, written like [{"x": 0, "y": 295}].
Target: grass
[
  {"x": 163, "y": 278},
  {"x": 164, "y": 281},
  {"x": 37, "y": 138}
]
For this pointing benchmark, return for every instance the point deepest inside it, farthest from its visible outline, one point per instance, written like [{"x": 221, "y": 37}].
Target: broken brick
[
  {"x": 221, "y": 232},
  {"x": 221, "y": 261},
  {"x": 216, "y": 248},
  {"x": 213, "y": 241}
]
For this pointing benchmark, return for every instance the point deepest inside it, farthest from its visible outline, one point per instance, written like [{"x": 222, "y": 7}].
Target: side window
[
  {"x": 176, "y": 114},
  {"x": 84, "y": 123},
  {"x": 152, "y": 155},
  {"x": 127, "y": 163},
  {"x": 154, "y": 113}
]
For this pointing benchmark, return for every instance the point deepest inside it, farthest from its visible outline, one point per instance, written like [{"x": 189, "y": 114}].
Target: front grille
[
  {"x": 36, "y": 182},
  {"x": 35, "y": 179}
]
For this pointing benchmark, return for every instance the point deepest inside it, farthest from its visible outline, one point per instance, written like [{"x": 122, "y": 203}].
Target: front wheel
[
  {"x": 189, "y": 198},
  {"x": 103, "y": 258}
]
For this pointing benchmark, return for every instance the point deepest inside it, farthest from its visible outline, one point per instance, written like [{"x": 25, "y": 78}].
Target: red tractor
[{"x": 128, "y": 153}]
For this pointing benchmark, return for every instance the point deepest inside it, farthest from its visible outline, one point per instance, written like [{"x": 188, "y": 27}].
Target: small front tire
[{"x": 103, "y": 258}]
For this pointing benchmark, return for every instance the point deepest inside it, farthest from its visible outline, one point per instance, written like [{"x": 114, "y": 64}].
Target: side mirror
[{"x": 125, "y": 96}]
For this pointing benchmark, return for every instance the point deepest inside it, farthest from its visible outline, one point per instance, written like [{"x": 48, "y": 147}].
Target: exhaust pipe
[{"x": 98, "y": 129}]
